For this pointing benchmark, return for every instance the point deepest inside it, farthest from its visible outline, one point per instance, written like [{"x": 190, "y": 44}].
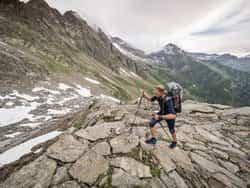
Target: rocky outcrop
[{"x": 111, "y": 152}]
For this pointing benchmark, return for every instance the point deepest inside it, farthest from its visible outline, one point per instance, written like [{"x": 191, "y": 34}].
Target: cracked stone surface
[
  {"x": 89, "y": 167},
  {"x": 67, "y": 149},
  {"x": 110, "y": 151}
]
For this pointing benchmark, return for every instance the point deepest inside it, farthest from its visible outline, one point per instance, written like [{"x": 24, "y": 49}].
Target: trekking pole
[
  {"x": 137, "y": 110},
  {"x": 163, "y": 128}
]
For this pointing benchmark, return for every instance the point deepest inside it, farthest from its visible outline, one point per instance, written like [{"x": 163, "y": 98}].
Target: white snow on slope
[
  {"x": 15, "y": 153},
  {"x": 7, "y": 97},
  {"x": 12, "y": 135},
  {"x": 83, "y": 91},
  {"x": 58, "y": 112},
  {"x": 124, "y": 72},
  {"x": 39, "y": 89},
  {"x": 110, "y": 98},
  {"x": 135, "y": 75},
  {"x": 64, "y": 87},
  {"x": 92, "y": 81},
  {"x": 24, "y": 96},
  {"x": 16, "y": 114}
]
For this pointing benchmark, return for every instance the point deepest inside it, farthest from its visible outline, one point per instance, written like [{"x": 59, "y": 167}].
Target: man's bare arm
[
  {"x": 146, "y": 96},
  {"x": 168, "y": 116}
]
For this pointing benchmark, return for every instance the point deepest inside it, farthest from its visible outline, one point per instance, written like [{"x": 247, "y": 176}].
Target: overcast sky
[{"x": 214, "y": 26}]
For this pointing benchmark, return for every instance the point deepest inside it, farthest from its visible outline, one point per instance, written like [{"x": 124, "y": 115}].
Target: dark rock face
[
  {"x": 211, "y": 152},
  {"x": 38, "y": 42}
]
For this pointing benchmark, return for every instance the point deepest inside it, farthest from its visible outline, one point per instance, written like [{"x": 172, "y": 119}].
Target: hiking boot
[
  {"x": 173, "y": 145},
  {"x": 151, "y": 141}
]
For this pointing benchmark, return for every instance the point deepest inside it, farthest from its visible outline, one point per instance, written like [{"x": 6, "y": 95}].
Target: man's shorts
[{"x": 170, "y": 123}]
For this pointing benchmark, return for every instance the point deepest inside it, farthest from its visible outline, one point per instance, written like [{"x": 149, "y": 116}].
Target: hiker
[{"x": 167, "y": 112}]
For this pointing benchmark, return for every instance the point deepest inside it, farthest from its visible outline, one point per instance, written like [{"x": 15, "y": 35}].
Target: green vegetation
[{"x": 146, "y": 158}]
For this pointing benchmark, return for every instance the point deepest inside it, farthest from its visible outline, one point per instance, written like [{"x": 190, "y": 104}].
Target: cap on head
[{"x": 160, "y": 88}]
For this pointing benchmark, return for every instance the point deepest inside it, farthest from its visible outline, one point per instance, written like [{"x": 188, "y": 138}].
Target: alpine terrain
[{"x": 71, "y": 117}]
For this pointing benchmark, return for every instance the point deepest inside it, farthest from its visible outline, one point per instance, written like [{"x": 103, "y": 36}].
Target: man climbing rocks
[{"x": 167, "y": 112}]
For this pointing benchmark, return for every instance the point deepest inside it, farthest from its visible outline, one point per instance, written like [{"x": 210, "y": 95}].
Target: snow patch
[
  {"x": 110, "y": 98},
  {"x": 62, "y": 102},
  {"x": 7, "y": 97},
  {"x": 58, "y": 112},
  {"x": 24, "y": 96},
  {"x": 15, "y": 153},
  {"x": 12, "y": 135},
  {"x": 124, "y": 72},
  {"x": 135, "y": 75},
  {"x": 83, "y": 91},
  {"x": 39, "y": 89},
  {"x": 3, "y": 43},
  {"x": 91, "y": 80},
  {"x": 31, "y": 125},
  {"x": 64, "y": 87},
  {"x": 10, "y": 103},
  {"x": 16, "y": 114}
]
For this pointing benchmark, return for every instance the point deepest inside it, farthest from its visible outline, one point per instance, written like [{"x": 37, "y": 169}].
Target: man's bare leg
[
  {"x": 174, "y": 137},
  {"x": 153, "y": 131}
]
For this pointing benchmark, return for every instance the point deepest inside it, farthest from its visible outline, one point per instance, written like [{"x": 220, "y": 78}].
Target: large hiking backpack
[{"x": 175, "y": 91}]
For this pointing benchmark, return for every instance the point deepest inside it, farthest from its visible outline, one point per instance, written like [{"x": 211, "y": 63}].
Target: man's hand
[
  {"x": 142, "y": 93},
  {"x": 156, "y": 116}
]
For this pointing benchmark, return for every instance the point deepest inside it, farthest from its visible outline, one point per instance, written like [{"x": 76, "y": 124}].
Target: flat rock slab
[
  {"x": 60, "y": 176},
  {"x": 38, "y": 173},
  {"x": 68, "y": 184},
  {"x": 124, "y": 180},
  {"x": 211, "y": 167},
  {"x": 243, "y": 111},
  {"x": 132, "y": 167},
  {"x": 89, "y": 167},
  {"x": 193, "y": 107},
  {"x": 101, "y": 131},
  {"x": 179, "y": 156},
  {"x": 209, "y": 137},
  {"x": 165, "y": 161},
  {"x": 102, "y": 148},
  {"x": 67, "y": 149},
  {"x": 178, "y": 179},
  {"x": 124, "y": 143}
]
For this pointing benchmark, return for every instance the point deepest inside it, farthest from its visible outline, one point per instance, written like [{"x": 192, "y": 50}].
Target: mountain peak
[
  {"x": 38, "y": 3},
  {"x": 172, "y": 49},
  {"x": 74, "y": 17}
]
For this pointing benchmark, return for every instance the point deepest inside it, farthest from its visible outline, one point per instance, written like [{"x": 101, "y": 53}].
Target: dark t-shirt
[{"x": 166, "y": 105}]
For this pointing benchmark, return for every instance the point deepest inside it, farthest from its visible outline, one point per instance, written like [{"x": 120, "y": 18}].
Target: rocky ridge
[{"x": 107, "y": 149}]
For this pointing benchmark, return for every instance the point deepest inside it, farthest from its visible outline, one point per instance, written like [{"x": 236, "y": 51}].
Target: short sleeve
[{"x": 154, "y": 98}]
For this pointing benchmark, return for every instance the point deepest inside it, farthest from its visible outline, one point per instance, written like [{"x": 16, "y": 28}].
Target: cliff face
[
  {"x": 38, "y": 43},
  {"x": 107, "y": 149}
]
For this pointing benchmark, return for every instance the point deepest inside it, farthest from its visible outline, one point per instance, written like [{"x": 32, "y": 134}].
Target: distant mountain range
[
  {"x": 215, "y": 78},
  {"x": 239, "y": 63}
]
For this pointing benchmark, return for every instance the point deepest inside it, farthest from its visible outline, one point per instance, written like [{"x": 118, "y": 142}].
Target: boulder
[
  {"x": 124, "y": 143},
  {"x": 68, "y": 184},
  {"x": 60, "y": 176},
  {"x": 102, "y": 148},
  {"x": 178, "y": 179},
  {"x": 38, "y": 173},
  {"x": 67, "y": 149},
  {"x": 164, "y": 159},
  {"x": 124, "y": 180},
  {"x": 89, "y": 167},
  {"x": 177, "y": 155},
  {"x": 132, "y": 167},
  {"x": 101, "y": 131},
  {"x": 193, "y": 107}
]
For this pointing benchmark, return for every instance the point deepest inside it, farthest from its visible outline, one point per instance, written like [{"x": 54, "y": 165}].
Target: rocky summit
[{"x": 106, "y": 148}]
